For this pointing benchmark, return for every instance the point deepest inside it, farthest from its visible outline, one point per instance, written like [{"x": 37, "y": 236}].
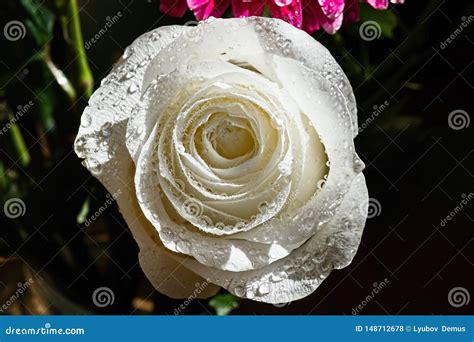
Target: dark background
[{"x": 418, "y": 169}]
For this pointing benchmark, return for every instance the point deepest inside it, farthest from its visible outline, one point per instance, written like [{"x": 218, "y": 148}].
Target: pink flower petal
[
  {"x": 311, "y": 16},
  {"x": 246, "y": 8},
  {"x": 331, "y": 26},
  {"x": 378, "y": 4},
  {"x": 288, "y": 10},
  {"x": 331, "y": 8},
  {"x": 175, "y": 8},
  {"x": 314, "y": 18},
  {"x": 203, "y": 9}
]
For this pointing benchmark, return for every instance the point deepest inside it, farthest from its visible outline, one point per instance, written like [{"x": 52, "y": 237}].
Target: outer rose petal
[
  {"x": 101, "y": 142},
  {"x": 291, "y": 13},
  {"x": 378, "y": 4},
  {"x": 299, "y": 274},
  {"x": 245, "y": 8},
  {"x": 175, "y": 8},
  {"x": 204, "y": 9}
]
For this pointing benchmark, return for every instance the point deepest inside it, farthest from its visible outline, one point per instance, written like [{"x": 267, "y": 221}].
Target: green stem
[
  {"x": 19, "y": 144},
  {"x": 81, "y": 77}
]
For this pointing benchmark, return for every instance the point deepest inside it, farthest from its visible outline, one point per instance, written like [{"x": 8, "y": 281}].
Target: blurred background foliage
[{"x": 52, "y": 68}]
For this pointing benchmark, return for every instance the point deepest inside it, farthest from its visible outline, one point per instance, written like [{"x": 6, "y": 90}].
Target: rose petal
[
  {"x": 101, "y": 142},
  {"x": 300, "y": 273},
  {"x": 230, "y": 252}
]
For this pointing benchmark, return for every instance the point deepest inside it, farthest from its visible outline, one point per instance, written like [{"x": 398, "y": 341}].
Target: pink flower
[
  {"x": 204, "y": 9},
  {"x": 288, "y": 10},
  {"x": 310, "y": 15}
]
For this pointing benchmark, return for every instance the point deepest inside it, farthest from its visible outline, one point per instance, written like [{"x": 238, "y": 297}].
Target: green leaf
[
  {"x": 386, "y": 19},
  {"x": 224, "y": 303},
  {"x": 82, "y": 215},
  {"x": 40, "y": 21}
]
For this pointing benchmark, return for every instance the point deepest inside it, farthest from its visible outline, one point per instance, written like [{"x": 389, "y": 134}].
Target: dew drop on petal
[
  {"x": 132, "y": 89},
  {"x": 86, "y": 120},
  {"x": 263, "y": 289}
]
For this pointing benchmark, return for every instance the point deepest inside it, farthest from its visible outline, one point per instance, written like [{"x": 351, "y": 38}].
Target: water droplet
[
  {"x": 105, "y": 130},
  {"x": 183, "y": 246},
  {"x": 263, "y": 289},
  {"x": 86, "y": 120},
  {"x": 132, "y": 89},
  {"x": 239, "y": 291},
  {"x": 167, "y": 235},
  {"x": 278, "y": 276}
]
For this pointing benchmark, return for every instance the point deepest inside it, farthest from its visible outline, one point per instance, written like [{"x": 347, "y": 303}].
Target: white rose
[{"x": 231, "y": 144}]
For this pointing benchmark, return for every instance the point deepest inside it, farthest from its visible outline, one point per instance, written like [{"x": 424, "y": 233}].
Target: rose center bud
[{"x": 232, "y": 141}]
